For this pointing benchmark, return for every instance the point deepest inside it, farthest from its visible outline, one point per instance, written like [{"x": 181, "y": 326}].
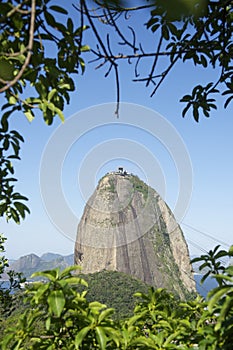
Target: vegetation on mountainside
[
  {"x": 114, "y": 289},
  {"x": 139, "y": 186}
]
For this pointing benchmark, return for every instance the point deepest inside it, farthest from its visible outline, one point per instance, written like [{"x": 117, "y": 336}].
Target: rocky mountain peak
[{"x": 126, "y": 226}]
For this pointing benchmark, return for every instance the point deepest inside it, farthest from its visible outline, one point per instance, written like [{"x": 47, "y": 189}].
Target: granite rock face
[{"x": 127, "y": 227}]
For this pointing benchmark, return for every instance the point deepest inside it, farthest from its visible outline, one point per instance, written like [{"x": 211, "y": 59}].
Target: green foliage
[
  {"x": 68, "y": 319},
  {"x": 11, "y": 202},
  {"x": 212, "y": 262},
  {"x": 196, "y": 31},
  {"x": 7, "y": 299},
  {"x": 24, "y": 61},
  {"x": 60, "y": 317},
  {"x": 114, "y": 289},
  {"x": 200, "y": 99},
  {"x": 10, "y": 313},
  {"x": 220, "y": 299},
  {"x": 139, "y": 186},
  {"x": 112, "y": 185},
  {"x": 199, "y": 32},
  {"x": 3, "y": 260}
]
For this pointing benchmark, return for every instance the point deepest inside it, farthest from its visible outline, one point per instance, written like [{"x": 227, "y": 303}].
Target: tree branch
[
  {"x": 29, "y": 48},
  {"x": 17, "y": 9},
  {"x": 107, "y": 56}
]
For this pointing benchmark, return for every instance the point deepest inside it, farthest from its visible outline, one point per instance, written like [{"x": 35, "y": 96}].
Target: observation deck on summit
[{"x": 121, "y": 171}]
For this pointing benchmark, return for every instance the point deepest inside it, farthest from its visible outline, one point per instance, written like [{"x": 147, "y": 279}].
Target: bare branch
[
  {"x": 30, "y": 105},
  {"x": 163, "y": 76},
  {"x": 118, "y": 91},
  {"x": 127, "y": 9},
  {"x": 17, "y": 9},
  {"x": 155, "y": 60},
  {"x": 125, "y": 41},
  {"x": 14, "y": 54},
  {"x": 107, "y": 56}
]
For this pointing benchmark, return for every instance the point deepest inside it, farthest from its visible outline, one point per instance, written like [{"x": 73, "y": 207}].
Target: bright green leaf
[
  {"x": 29, "y": 115},
  {"x": 81, "y": 335},
  {"x": 56, "y": 301}
]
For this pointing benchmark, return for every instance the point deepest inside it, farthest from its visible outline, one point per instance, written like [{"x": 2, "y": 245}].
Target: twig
[
  {"x": 118, "y": 91},
  {"x": 107, "y": 57},
  {"x": 155, "y": 61},
  {"x": 127, "y": 9},
  {"x": 14, "y": 54},
  {"x": 164, "y": 75},
  {"x": 136, "y": 55},
  {"x": 17, "y": 9},
  {"x": 125, "y": 41},
  {"x": 23, "y": 101}
]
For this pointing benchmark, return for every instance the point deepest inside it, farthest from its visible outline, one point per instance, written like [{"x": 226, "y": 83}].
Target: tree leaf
[
  {"x": 59, "y": 9},
  {"x": 14, "y": 215},
  {"x": 29, "y": 115},
  {"x": 186, "y": 98},
  {"x": 104, "y": 314},
  {"x": 51, "y": 94},
  {"x": 56, "y": 301},
  {"x": 21, "y": 208},
  {"x": 196, "y": 113},
  {"x": 40, "y": 291},
  {"x": 101, "y": 337},
  {"x": 81, "y": 335},
  {"x": 50, "y": 19},
  {"x": 217, "y": 294},
  {"x": 228, "y": 101},
  {"x": 52, "y": 275}
]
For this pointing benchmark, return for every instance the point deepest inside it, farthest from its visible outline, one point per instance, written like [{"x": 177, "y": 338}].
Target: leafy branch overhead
[
  {"x": 196, "y": 31},
  {"x": 38, "y": 57},
  {"x": 42, "y": 49}
]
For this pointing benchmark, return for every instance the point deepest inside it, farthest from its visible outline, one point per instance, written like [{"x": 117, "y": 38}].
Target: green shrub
[{"x": 60, "y": 317}]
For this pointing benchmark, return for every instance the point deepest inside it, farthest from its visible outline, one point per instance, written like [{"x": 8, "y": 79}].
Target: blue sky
[{"x": 209, "y": 144}]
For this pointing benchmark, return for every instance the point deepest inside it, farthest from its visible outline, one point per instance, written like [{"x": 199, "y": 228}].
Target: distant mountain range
[{"x": 31, "y": 263}]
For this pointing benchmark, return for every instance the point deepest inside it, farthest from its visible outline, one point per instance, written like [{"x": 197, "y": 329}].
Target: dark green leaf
[
  {"x": 14, "y": 215},
  {"x": 186, "y": 98},
  {"x": 4, "y": 122},
  {"x": 228, "y": 101},
  {"x": 50, "y": 19},
  {"x": 59, "y": 9},
  {"x": 21, "y": 208},
  {"x": 196, "y": 113},
  {"x": 165, "y": 32},
  {"x": 186, "y": 109}
]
